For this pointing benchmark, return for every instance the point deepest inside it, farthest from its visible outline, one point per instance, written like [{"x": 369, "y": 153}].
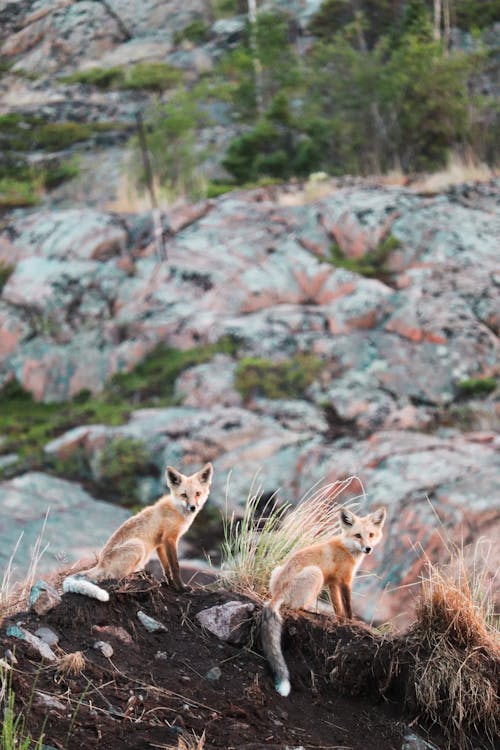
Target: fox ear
[
  {"x": 378, "y": 516},
  {"x": 346, "y": 517},
  {"x": 205, "y": 474},
  {"x": 174, "y": 477}
]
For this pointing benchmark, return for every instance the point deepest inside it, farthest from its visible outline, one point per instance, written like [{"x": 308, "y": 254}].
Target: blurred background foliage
[{"x": 370, "y": 86}]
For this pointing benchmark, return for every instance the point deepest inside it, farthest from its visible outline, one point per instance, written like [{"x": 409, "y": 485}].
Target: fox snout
[
  {"x": 192, "y": 508},
  {"x": 367, "y": 550}
]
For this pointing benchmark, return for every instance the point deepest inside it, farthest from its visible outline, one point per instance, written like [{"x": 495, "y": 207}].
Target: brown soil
[{"x": 156, "y": 688}]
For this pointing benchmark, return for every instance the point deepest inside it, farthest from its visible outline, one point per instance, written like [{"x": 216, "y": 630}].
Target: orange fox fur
[
  {"x": 299, "y": 581},
  {"x": 156, "y": 528}
]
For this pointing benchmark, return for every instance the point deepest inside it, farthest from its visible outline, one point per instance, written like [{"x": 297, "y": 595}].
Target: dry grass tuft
[
  {"x": 259, "y": 541},
  {"x": 71, "y": 664},
  {"x": 458, "y": 171},
  {"x": 454, "y": 648}
]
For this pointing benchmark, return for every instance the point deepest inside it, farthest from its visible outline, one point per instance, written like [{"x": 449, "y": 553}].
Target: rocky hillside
[{"x": 312, "y": 333}]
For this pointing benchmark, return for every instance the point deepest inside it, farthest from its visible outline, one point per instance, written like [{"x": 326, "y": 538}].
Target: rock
[
  {"x": 70, "y": 531},
  {"x": 227, "y": 621},
  {"x": 114, "y": 631},
  {"x": 14, "y": 631},
  {"x": 413, "y": 741},
  {"x": 49, "y": 702},
  {"x": 43, "y": 597},
  {"x": 47, "y": 635},
  {"x": 105, "y": 648},
  {"x": 214, "y": 674},
  {"x": 151, "y": 625}
]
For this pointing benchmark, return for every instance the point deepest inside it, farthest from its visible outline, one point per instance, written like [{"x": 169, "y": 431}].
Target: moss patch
[
  {"x": 27, "y": 425},
  {"x": 150, "y": 76},
  {"x": 372, "y": 264},
  {"x": 256, "y": 376},
  {"x": 5, "y": 272},
  {"x": 477, "y": 387}
]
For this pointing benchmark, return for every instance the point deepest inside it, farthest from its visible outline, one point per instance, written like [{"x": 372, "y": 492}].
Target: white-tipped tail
[
  {"x": 79, "y": 585},
  {"x": 283, "y": 687}
]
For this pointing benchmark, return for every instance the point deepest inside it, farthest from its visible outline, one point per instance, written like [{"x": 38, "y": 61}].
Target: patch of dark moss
[
  {"x": 476, "y": 387},
  {"x": 373, "y": 264},
  {"x": 148, "y": 76},
  {"x": 256, "y": 376}
]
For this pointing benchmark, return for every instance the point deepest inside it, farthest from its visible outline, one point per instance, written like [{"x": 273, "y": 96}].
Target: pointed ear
[
  {"x": 346, "y": 517},
  {"x": 173, "y": 477},
  {"x": 378, "y": 516},
  {"x": 205, "y": 474}
]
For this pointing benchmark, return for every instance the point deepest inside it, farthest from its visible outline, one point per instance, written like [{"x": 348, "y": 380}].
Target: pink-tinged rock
[
  {"x": 12, "y": 331},
  {"x": 209, "y": 384},
  {"x": 227, "y": 621},
  {"x": 43, "y": 597},
  {"x": 88, "y": 437},
  {"x": 113, "y": 631}
]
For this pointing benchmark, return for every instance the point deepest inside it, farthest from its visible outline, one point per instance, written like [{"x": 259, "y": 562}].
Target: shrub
[
  {"x": 15, "y": 193},
  {"x": 477, "y": 387},
  {"x": 196, "y": 31},
  {"x": 261, "y": 377}
]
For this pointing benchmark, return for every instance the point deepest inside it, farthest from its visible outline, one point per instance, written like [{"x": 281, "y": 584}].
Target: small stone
[
  {"x": 226, "y": 621},
  {"x": 49, "y": 701},
  {"x": 43, "y": 648},
  {"x": 10, "y": 657},
  {"x": 161, "y": 656},
  {"x": 151, "y": 625},
  {"x": 43, "y": 597},
  {"x": 47, "y": 635},
  {"x": 413, "y": 741},
  {"x": 114, "y": 632},
  {"x": 105, "y": 648},
  {"x": 214, "y": 674}
]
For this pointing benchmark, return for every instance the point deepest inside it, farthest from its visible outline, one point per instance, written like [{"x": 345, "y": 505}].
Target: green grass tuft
[
  {"x": 150, "y": 76},
  {"x": 256, "y": 376}
]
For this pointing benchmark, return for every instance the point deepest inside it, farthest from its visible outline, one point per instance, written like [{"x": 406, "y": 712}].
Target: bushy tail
[
  {"x": 79, "y": 585},
  {"x": 271, "y": 626}
]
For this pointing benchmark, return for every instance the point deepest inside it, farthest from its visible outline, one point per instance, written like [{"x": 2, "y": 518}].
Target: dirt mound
[{"x": 182, "y": 680}]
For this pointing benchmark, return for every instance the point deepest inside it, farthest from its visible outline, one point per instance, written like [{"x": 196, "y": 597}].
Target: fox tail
[
  {"x": 271, "y": 627},
  {"x": 80, "y": 585}
]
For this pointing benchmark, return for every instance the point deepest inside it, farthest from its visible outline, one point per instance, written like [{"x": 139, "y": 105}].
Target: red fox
[
  {"x": 299, "y": 581},
  {"x": 156, "y": 528}
]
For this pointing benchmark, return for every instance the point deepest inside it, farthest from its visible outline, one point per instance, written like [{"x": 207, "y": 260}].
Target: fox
[
  {"x": 298, "y": 582},
  {"x": 156, "y": 528}
]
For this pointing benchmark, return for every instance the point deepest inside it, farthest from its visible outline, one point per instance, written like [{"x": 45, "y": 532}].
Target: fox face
[
  {"x": 189, "y": 492},
  {"x": 362, "y": 533}
]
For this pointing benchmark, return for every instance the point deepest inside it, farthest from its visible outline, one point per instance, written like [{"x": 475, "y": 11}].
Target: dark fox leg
[
  {"x": 336, "y": 598},
  {"x": 164, "y": 563},
  {"x": 173, "y": 561},
  {"x": 345, "y": 591}
]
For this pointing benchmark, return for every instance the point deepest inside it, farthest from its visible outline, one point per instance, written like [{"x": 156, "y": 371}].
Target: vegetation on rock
[
  {"x": 256, "y": 376},
  {"x": 149, "y": 76}
]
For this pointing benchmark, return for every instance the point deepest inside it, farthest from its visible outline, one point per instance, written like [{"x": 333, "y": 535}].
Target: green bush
[
  {"x": 196, "y": 31},
  {"x": 120, "y": 463},
  {"x": 256, "y": 376},
  {"x": 472, "y": 387},
  {"x": 15, "y": 193}
]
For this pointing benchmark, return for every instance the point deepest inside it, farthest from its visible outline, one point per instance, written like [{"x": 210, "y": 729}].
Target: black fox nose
[
  {"x": 192, "y": 508},
  {"x": 368, "y": 550}
]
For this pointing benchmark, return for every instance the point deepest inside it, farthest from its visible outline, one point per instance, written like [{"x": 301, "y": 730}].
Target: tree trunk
[{"x": 252, "y": 17}]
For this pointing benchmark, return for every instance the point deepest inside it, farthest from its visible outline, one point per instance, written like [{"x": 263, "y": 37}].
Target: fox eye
[
  {"x": 358, "y": 536},
  {"x": 184, "y": 495},
  {"x": 198, "y": 494},
  {"x": 370, "y": 534}
]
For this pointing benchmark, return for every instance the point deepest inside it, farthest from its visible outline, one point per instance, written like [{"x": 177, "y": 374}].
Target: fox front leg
[
  {"x": 164, "y": 563},
  {"x": 337, "y": 601},
  {"x": 173, "y": 561},
  {"x": 345, "y": 593}
]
